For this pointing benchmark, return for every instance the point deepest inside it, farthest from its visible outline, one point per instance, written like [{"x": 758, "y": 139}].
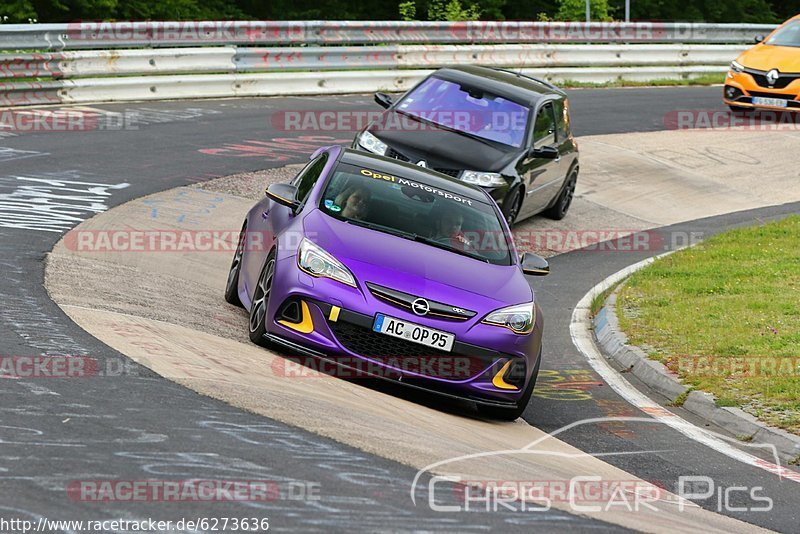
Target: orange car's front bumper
[{"x": 742, "y": 87}]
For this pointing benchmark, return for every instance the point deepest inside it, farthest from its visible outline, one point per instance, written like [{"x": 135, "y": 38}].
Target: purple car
[{"x": 393, "y": 271}]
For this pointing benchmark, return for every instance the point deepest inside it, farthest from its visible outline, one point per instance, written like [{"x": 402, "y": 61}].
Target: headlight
[
  {"x": 737, "y": 67},
  {"x": 485, "y": 179},
  {"x": 316, "y": 262},
  {"x": 372, "y": 143},
  {"x": 519, "y": 319}
]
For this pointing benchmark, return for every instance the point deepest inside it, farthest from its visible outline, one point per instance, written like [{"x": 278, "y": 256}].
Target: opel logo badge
[
  {"x": 772, "y": 76},
  {"x": 420, "y": 307},
  {"x": 422, "y": 163}
]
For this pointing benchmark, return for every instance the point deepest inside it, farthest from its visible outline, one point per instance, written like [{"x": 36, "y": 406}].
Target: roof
[
  {"x": 505, "y": 83},
  {"x": 413, "y": 172}
]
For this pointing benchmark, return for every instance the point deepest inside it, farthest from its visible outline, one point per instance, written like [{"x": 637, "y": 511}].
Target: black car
[{"x": 504, "y": 131}]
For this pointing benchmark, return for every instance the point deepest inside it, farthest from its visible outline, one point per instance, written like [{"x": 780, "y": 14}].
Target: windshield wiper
[
  {"x": 448, "y": 128},
  {"x": 381, "y": 228},
  {"x": 437, "y": 244}
]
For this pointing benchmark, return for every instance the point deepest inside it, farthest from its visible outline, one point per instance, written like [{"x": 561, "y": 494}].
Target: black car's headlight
[
  {"x": 484, "y": 179},
  {"x": 369, "y": 142},
  {"x": 519, "y": 318},
  {"x": 314, "y": 260}
]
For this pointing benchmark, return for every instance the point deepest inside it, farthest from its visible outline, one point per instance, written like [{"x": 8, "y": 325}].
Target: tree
[{"x": 576, "y": 10}]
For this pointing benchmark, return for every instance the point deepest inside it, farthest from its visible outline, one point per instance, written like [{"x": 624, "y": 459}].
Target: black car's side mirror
[
  {"x": 758, "y": 39},
  {"x": 546, "y": 152},
  {"x": 534, "y": 264},
  {"x": 284, "y": 194},
  {"x": 383, "y": 100}
]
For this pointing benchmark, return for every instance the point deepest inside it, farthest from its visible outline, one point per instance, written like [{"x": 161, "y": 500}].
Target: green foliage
[
  {"x": 745, "y": 11},
  {"x": 576, "y": 10},
  {"x": 452, "y": 10},
  {"x": 408, "y": 10},
  {"x": 17, "y": 12}
]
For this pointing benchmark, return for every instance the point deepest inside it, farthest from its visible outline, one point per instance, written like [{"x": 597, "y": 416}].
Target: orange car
[{"x": 768, "y": 74}]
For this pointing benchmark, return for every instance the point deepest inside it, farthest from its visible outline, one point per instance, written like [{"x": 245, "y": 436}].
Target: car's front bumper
[
  {"x": 339, "y": 329},
  {"x": 740, "y": 88}
]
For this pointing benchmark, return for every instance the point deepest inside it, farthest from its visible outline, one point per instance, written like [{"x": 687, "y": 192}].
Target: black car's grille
[
  {"x": 407, "y": 356},
  {"x": 450, "y": 172},
  {"x": 781, "y": 83},
  {"x": 782, "y": 96},
  {"x": 392, "y": 153}
]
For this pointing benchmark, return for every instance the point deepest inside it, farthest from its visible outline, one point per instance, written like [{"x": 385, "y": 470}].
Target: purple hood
[{"x": 418, "y": 268}]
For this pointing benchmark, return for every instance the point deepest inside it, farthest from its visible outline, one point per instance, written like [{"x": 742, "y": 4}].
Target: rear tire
[
  {"x": 232, "y": 285},
  {"x": 512, "y": 414},
  {"x": 564, "y": 200},
  {"x": 257, "y": 324}
]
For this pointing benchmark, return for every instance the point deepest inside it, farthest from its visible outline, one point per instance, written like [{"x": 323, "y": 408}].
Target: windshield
[
  {"x": 789, "y": 35},
  {"x": 469, "y": 110},
  {"x": 412, "y": 210}
]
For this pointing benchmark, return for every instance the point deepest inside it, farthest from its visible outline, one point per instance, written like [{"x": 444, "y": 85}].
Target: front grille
[
  {"x": 407, "y": 356},
  {"x": 392, "y": 153},
  {"x": 450, "y": 172},
  {"x": 782, "y": 96},
  {"x": 781, "y": 83}
]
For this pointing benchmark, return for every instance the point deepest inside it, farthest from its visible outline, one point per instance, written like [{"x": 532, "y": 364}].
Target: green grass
[
  {"x": 706, "y": 79},
  {"x": 725, "y": 316}
]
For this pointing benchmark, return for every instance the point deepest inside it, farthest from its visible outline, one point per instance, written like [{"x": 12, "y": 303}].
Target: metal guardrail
[
  {"x": 78, "y": 62},
  {"x": 93, "y": 35}
]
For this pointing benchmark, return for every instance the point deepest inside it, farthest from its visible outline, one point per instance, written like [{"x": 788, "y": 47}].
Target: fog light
[{"x": 732, "y": 93}]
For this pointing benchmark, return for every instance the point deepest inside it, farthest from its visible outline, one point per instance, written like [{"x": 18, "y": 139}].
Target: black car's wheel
[
  {"x": 258, "y": 308},
  {"x": 232, "y": 285},
  {"x": 511, "y": 206},
  {"x": 564, "y": 200},
  {"x": 511, "y": 414}
]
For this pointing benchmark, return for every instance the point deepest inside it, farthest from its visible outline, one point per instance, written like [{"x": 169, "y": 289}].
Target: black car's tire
[
  {"x": 564, "y": 200},
  {"x": 232, "y": 285},
  {"x": 512, "y": 414},
  {"x": 257, "y": 324},
  {"x": 512, "y": 205}
]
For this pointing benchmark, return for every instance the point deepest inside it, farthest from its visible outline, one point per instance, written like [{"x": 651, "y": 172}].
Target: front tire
[
  {"x": 232, "y": 285},
  {"x": 511, "y": 206},
  {"x": 564, "y": 200},
  {"x": 512, "y": 414},
  {"x": 257, "y": 324}
]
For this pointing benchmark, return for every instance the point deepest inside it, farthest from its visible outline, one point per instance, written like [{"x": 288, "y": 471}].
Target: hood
[
  {"x": 418, "y": 268},
  {"x": 440, "y": 148},
  {"x": 767, "y": 57}
]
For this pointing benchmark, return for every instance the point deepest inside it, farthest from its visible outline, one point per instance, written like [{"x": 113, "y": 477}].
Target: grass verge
[
  {"x": 706, "y": 79},
  {"x": 726, "y": 317}
]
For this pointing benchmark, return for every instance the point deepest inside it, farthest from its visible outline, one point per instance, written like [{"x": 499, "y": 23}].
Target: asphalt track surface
[{"x": 140, "y": 426}]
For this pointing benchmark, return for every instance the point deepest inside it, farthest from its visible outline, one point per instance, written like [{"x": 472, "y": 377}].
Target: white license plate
[
  {"x": 774, "y": 102},
  {"x": 416, "y": 333}
]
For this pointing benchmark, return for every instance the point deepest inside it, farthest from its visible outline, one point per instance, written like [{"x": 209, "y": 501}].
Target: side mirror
[
  {"x": 284, "y": 194},
  {"x": 758, "y": 39},
  {"x": 534, "y": 264},
  {"x": 383, "y": 100},
  {"x": 546, "y": 152}
]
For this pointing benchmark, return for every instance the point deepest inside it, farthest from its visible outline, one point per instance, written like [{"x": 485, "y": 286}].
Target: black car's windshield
[
  {"x": 464, "y": 109},
  {"x": 789, "y": 35},
  {"x": 407, "y": 208}
]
